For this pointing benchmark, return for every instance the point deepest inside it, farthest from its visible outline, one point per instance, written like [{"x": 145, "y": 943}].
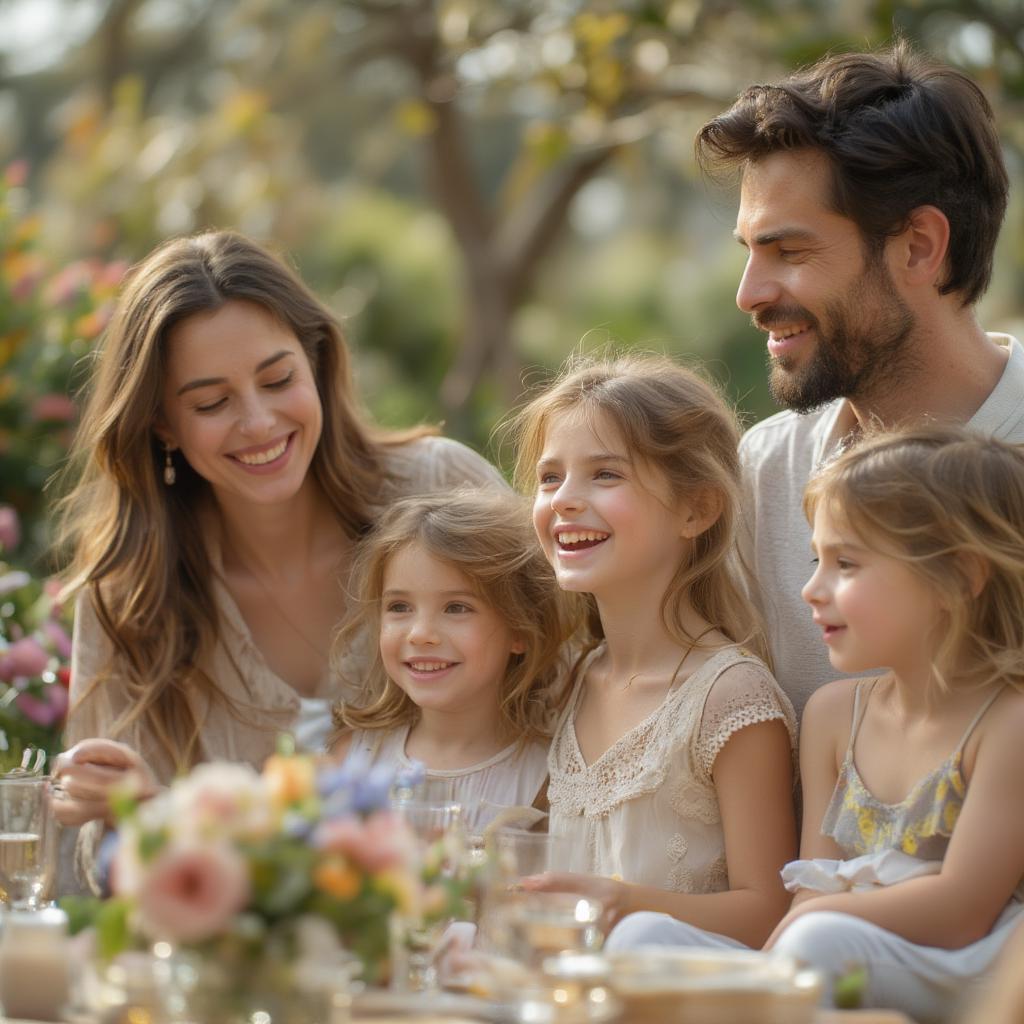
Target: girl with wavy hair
[{"x": 468, "y": 666}]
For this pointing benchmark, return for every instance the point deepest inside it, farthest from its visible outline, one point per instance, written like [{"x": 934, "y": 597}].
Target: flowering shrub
[
  {"x": 50, "y": 317},
  {"x": 35, "y": 647},
  {"x": 231, "y": 863}
]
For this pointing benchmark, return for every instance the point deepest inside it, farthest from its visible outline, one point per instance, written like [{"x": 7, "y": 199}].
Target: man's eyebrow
[
  {"x": 205, "y": 382},
  {"x": 778, "y": 235}
]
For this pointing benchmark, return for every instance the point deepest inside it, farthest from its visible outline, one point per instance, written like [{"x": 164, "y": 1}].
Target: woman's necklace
[{"x": 268, "y": 592}]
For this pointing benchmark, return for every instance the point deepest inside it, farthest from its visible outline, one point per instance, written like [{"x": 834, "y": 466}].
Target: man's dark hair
[{"x": 900, "y": 131}]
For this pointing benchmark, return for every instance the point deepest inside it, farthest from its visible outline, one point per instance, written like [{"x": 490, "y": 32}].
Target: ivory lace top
[
  {"x": 258, "y": 703},
  {"x": 646, "y": 810}
]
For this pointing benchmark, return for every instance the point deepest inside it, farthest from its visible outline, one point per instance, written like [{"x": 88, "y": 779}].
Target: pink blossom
[
  {"x": 53, "y": 408},
  {"x": 10, "y": 528},
  {"x": 379, "y": 843},
  {"x": 25, "y": 657},
  {"x": 16, "y": 174},
  {"x": 48, "y": 710},
  {"x": 58, "y": 636},
  {"x": 190, "y": 893}
]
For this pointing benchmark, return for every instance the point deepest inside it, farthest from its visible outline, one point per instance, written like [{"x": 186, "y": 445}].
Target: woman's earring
[{"x": 169, "y": 474}]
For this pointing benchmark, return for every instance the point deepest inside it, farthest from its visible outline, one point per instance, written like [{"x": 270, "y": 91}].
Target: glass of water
[{"x": 26, "y": 855}]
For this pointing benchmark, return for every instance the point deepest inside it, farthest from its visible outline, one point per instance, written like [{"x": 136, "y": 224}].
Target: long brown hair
[
  {"x": 137, "y": 546},
  {"x": 488, "y": 537},
  {"x": 674, "y": 421}
]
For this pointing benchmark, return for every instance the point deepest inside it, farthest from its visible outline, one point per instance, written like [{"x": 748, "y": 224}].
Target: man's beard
[{"x": 855, "y": 362}]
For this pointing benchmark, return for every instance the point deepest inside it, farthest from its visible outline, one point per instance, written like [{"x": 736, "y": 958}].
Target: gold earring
[{"x": 169, "y": 474}]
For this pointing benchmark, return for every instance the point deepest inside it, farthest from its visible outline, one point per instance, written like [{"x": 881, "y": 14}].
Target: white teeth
[
  {"x": 428, "y": 666},
  {"x": 262, "y": 458},
  {"x": 787, "y": 333},
  {"x": 577, "y": 536}
]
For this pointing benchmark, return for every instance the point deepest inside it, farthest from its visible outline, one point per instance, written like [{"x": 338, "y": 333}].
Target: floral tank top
[{"x": 919, "y": 825}]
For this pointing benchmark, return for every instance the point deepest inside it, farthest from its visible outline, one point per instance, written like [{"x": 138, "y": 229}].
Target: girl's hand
[
  {"x": 90, "y": 772},
  {"x": 611, "y": 893}
]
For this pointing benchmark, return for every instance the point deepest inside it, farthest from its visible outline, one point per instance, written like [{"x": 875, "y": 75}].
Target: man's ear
[
  {"x": 922, "y": 246},
  {"x": 701, "y": 512}
]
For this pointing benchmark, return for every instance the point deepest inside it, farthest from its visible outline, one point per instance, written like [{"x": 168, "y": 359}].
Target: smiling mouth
[
  {"x": 579, "y": 540},
  {"x": 429, "y": 666},
  {"x": 264, "y": 457}
]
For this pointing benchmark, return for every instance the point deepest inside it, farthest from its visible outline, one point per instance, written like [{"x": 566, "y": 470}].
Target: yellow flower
[
  {"x": 337, "y": 878},
  {"x": 402, "y": 888},
  {"x": 290, "y": 779}
]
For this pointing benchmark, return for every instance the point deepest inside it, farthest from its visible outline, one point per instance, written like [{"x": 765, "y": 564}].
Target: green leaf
[{"x": 112, "y": 932}]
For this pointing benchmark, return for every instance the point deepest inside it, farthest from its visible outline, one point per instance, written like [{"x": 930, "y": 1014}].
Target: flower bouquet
[{"x": 267, "y": 880}]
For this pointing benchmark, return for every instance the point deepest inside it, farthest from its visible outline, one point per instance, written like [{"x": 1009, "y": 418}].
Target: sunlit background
[{"x": 475, "y": 186}]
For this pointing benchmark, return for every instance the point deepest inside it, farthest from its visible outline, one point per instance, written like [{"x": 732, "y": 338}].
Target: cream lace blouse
[{"x": 646, "y": 810}]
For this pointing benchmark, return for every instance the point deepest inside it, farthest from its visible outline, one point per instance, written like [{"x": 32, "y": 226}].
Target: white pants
[
  {"x": 927, "y": 983},
  {"x": 647, "y": 928}
]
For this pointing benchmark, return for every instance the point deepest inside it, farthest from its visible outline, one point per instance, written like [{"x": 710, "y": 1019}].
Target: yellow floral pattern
[{"x": 920, "y": 825}]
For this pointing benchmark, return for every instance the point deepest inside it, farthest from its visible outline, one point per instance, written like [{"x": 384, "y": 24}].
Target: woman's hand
[
  {"x": 611, "y": 893},
  {"x": 90, "y": 772}
]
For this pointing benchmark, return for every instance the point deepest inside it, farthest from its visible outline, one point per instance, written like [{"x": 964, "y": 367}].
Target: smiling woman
[{"x": 225, "y": 477}]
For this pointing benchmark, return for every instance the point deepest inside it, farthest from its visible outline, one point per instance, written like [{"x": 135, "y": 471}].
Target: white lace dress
[{"x": 646, "y": 810}]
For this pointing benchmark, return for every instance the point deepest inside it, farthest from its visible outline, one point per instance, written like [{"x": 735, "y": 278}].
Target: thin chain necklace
[
  {"x": 675, "y": 675},
  {"x": 316, "y": 648}
]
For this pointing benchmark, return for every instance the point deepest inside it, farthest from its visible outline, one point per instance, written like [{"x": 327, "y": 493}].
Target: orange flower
[
  {"x": 335, "y": 877},
  {"x": 291, "y": 779}
]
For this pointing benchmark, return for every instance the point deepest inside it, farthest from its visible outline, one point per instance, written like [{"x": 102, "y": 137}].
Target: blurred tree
[{"x": 515, "y": 119}]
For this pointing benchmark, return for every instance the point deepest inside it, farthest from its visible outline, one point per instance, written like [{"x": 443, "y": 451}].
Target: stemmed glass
[
  {"x": 26, "y": 854},
  {"x": 416, "y": 936}
]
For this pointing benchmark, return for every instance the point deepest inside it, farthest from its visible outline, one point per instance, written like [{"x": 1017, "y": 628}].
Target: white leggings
[{"x": 926, "y": 983}]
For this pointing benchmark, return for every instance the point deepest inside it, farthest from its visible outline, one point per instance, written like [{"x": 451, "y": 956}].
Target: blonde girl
[
  {"x": 467, "y": 668},
  {"x": 671, "y": 766},
  {"x": 913, "y": 778}
]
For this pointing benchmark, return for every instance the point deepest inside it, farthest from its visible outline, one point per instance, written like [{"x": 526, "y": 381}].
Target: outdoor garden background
[{"x": 476, "y": 187}]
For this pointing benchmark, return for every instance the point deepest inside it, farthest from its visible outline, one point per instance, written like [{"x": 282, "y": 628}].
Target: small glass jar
[{"x": 569, "y": 989}]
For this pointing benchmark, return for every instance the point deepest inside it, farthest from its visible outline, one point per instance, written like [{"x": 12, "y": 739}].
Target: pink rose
[
  {"x": 25, "y": 657},
  {"x": 47, "y": 710},
  {"x": 381, "y": 842},
  {"x": 190, "y": 893},
  {"x": 53, "y": 408},
  {"x": 10, "y": 528},
  {"x": 58, "y": 636}
]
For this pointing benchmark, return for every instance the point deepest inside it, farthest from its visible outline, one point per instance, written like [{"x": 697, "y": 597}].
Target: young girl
[
  {"x": 671, "y": 766},
  {"x": 913, "y": 779},
  {"x": 470, "y": 626}
]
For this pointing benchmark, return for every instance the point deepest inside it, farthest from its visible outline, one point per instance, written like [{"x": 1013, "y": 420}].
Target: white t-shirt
[{"x": 779, "y": 456}]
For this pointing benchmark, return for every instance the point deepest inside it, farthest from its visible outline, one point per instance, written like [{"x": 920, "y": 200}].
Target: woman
[{"x": 226, "y": 475}]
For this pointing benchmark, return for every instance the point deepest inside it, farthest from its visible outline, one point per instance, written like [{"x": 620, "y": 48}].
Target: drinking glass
[
  {"x": 531, "y": 927},
  {"x": 27, "y": 859},
  {"x": 416, "y": 938}
]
